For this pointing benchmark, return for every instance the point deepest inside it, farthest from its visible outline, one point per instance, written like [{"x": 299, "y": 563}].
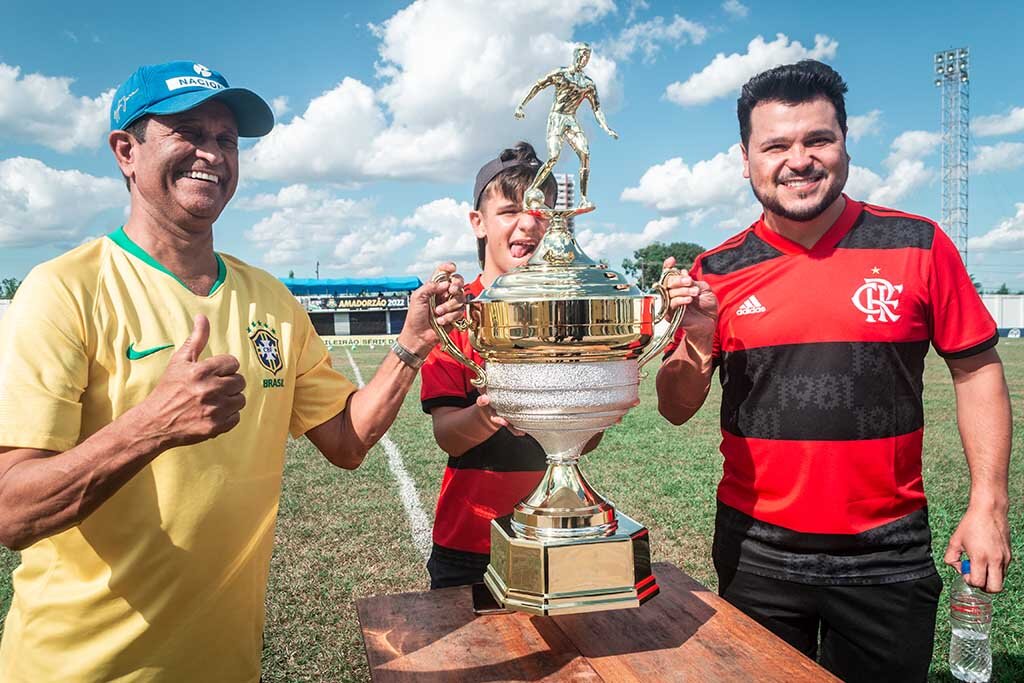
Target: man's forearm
[
  {"x": 368, "y": 415},
  {"x": 683, "y": 381},
  {"x": 985, "y": 423},
  {"x": 346, "y": 438},
  {"x": 43, "y": 493}
]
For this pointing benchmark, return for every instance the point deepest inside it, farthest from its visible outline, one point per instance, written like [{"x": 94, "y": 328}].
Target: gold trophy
[{"x": 564, "y": 339}]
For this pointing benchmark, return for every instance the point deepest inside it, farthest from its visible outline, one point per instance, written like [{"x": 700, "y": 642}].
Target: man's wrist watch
[{"x": 406, "y": 356}]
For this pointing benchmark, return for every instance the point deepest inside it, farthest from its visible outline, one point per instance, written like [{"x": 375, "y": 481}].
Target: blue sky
[{"x": 386, "y": 110}]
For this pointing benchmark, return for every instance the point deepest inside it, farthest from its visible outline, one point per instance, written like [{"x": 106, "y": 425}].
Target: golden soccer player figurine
[{"x": 572, "y": 86}]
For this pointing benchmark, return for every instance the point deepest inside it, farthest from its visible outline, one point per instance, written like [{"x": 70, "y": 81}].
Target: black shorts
[
  {"x": 867, "y": 633},
  {"x": 449, "y": 567}
]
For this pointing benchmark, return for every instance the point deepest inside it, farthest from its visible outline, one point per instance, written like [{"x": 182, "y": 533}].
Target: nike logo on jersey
[
  {"x": 138, "y": 355},
  {"x": 751, "y": 306}
]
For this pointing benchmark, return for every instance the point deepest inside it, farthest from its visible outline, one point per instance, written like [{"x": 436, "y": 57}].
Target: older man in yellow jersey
[{"x": 147, "y": 387}]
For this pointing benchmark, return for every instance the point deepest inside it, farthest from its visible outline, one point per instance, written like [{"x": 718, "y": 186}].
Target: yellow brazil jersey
[{"x": 166, "y": 580}]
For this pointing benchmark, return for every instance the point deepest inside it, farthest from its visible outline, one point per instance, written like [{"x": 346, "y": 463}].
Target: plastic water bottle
[{"x": 970, "y": 618}]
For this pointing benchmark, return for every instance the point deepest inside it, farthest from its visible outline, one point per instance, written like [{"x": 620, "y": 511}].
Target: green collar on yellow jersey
[{"x": 121, "y": 239}]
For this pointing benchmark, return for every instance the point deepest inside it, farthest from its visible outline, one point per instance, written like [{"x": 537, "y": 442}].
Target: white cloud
[
  {"x": 999, "y": 124},
  {"x": 1003, "y": 156},
  {"x": 42, "y": 205},
  {"x": 862, "y": 126},
  {"x": 1007, "y": 236},
  {"x": 675, "y": 186},
  {"x": 41, "y": 109},
  {"x": 606, "y": 244},
  {"x": 714, "y": 190},
  {"x": 438, "y": 112},
  {"x": 905, "y": 166},
  {"x": 635, "y": 6},
  {"x": 368, "y": 248},
  {"x": 280, "y": 106},
  {"x": 726, "y": 74},
  {"x": 709, "y": 192},
  {"x": 862, "y": 182},
  {"x": 350, "y": 236},
  {"x": 912, "y": 145},
  {"x": 328, "y": 140},
  {"x": 305, "y": 232},
  {"x": 735, "y": 9},
  {"x": 906, "y": 176},
  {"x": 647, "y": 35},
  {"x": 290, "y": 196},
  {"x": 446, "y": 220}
]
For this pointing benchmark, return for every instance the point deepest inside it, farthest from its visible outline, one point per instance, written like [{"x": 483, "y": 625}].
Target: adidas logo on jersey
[{"x": 751, "y": 306}]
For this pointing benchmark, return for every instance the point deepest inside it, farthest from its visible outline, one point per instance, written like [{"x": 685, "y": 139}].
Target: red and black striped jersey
[
  {"x": 486, "y": 481},
  {"x": 821, "y": 355}
]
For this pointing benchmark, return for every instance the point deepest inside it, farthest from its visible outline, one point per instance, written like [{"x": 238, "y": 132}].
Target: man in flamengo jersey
[
  {"x": 827, "y": 307},
  {"x": 147, "y": 387}
]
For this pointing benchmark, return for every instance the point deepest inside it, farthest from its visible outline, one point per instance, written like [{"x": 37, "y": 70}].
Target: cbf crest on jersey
[{"x": 264, "y": 341}]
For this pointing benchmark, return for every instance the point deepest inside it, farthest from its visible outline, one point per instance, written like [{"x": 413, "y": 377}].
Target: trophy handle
[
  {"x": 661, "y": 342},
  {"x": 447, "y": 345}
]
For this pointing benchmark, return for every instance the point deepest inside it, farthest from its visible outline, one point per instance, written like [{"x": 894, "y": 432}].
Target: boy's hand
[{"x": 484, "y": 404}]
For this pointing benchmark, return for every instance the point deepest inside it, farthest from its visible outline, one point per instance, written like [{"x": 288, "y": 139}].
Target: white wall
[{"x": 1007, "y": 309}]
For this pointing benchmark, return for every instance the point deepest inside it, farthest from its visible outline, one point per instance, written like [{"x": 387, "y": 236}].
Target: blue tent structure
[{"x": 350, "y": 285}]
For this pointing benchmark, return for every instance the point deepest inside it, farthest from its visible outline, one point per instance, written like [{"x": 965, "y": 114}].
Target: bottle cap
[{"x": 965, "y": 567}]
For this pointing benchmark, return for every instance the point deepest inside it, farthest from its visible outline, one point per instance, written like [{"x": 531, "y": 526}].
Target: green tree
[
  {"x": 645, "y": 266},
  {"x": 8, "y": 286},
  {"x": 975, "y": 282},
  {"x": 1003, "y": 289}
]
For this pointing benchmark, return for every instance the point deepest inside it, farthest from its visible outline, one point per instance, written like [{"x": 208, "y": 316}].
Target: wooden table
[{"x": 685, "y": 633}]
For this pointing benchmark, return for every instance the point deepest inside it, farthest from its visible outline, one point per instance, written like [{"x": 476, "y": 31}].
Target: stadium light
[{"x": 952, "y": 76}]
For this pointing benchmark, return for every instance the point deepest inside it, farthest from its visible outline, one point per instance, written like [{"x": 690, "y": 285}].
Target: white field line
[{"x": 419, "y": 523}]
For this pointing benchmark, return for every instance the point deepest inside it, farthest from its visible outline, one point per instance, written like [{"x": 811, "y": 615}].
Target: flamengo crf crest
[
  {"x": 879, "y": 299},
  {"x": 264, "y": 341}
]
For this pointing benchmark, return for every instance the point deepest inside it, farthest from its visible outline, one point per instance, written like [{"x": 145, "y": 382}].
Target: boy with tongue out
[{"x": 491, "y": 466}]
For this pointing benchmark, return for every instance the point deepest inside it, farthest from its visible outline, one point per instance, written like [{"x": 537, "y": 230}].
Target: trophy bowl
[{"x": 564, "y": 340}]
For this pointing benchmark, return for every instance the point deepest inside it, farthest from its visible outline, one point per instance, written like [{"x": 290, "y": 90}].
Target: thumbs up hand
[
  {"x": 193, "y": 347},
  {"x": 195, "y": 400}
]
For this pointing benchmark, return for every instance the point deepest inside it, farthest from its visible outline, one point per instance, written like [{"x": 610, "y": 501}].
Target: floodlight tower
[{"x": 951, "y": 75}]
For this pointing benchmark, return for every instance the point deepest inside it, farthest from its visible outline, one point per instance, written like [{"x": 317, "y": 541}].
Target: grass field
[{"x": 343, "y": 535}]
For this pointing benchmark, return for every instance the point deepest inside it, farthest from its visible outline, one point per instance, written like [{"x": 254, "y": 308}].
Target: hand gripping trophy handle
[
  {"x": 447, "y": 344},
  {"x": 658, "y": 345}
]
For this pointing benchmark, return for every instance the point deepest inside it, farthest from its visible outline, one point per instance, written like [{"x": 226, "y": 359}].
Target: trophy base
[{"x": 567, "y": 576}]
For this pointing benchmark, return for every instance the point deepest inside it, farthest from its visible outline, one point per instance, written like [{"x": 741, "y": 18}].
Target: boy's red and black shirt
[{"x": 487, "y": 480}]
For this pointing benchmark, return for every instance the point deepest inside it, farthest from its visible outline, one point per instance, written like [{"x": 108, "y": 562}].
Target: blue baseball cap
[{"x": 179, "y": 86}]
